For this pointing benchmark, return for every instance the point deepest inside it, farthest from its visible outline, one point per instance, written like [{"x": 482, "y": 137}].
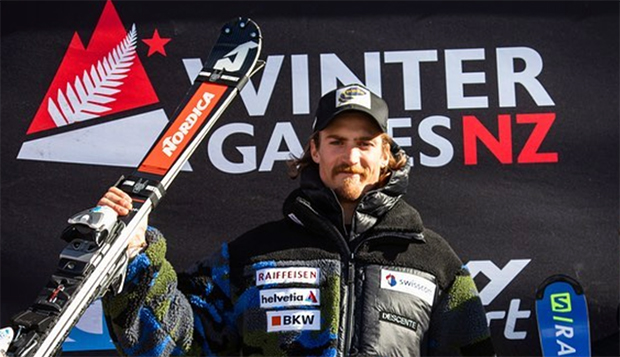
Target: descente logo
[{"x": 171, "y": 142}]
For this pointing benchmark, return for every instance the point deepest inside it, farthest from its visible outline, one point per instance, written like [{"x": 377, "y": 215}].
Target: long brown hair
[{"x": 396, "y": 162}]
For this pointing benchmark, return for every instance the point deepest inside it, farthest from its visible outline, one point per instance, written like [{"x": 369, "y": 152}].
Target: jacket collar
[{"x": 372, "y": 210}]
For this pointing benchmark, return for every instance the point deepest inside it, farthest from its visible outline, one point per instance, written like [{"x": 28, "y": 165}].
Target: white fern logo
[{"x": 87, "y": 97}]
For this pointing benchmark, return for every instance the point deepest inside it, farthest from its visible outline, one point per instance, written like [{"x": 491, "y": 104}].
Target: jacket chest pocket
[
  {"x": 394, "y": 306},
  {"x": 287, "y": 307}
]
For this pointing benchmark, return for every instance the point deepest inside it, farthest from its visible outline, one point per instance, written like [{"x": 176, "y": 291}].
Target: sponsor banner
[
  {"x": 287, "y": 276},
  {"x": 475, "y": 100},
  {"x": 293, "y": 320},
  {"x": 408, "y": 284},
  {"x": 507, "y": 312},
  {"x": 289, "y": 297}
]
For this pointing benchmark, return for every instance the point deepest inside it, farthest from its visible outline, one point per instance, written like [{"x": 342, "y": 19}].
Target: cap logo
[{"x": 353, "y": 95}]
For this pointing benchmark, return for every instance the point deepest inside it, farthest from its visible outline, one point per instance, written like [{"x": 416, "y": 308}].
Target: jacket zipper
[
  {"x": 351, "y": 287},
  {"x": 350, "y": 274},
  {"x": 348, "y": 332}
]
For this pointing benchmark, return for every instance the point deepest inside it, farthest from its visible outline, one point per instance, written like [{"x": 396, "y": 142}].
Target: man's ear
[
  {"x": 314, "y": 152},
  {"x": 385, "y": 157}
]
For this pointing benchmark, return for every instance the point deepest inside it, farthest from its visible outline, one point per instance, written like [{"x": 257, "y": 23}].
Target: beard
[{"x": 352, "y": 188}]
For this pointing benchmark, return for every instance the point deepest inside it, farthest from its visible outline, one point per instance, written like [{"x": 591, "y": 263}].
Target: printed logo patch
[
  {"x": 398, "y": 320},
  {"x": 353, "y": 95},
  {"x": 293, "y": 320},
  {"x": 287, "y": 275},
  {"x": 289, "y": 297},
  {"x": 408, "y": 284}
]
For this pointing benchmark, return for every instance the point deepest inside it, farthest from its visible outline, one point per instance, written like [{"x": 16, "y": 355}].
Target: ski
[
  {"x": 562, "y": 318},
  {"x": 95, "y": 260}
]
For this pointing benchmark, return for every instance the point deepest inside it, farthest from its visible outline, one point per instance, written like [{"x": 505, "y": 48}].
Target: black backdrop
[{"x": 514, "y": 222}]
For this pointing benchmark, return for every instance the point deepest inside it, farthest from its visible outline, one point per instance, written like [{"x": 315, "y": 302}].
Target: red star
[{"x": 156, "y": 44}]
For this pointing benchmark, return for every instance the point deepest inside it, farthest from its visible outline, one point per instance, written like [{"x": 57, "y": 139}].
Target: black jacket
[{"x": 308, "y": 286}]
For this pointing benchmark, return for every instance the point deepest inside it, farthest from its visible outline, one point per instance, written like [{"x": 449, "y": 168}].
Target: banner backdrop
[{"x": 509, "y": 112}]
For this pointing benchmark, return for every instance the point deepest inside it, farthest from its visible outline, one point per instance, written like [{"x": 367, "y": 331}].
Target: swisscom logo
[
  {"x": 95, "y": 85},
  {"x": 408, "y": 283},
  {"x": 391, "y": 280}
]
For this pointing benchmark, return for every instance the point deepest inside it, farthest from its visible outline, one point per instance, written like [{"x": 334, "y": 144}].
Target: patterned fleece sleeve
[
  {"x": 458, "y": 324},
  {"x": 150, "y": 317},
  {"x": 161, "y": 314}
]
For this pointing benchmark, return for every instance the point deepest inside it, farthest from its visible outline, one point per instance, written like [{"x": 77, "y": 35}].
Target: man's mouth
[{"x": 350, "y": 171}]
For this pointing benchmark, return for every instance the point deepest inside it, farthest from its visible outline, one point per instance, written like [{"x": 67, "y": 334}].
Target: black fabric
[{"x": 398, "y": 241}]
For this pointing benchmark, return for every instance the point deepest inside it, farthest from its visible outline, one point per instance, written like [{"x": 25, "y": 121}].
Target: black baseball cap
[{"x": 351, "y": 97}]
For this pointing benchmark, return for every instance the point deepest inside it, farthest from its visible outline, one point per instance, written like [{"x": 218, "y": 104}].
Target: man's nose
[{"x": 351, "y": 156}]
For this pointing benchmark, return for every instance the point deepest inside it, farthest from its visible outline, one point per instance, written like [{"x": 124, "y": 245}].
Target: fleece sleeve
[
  {"x": 162, "y": 313},
  {"x": 150, "y": 317},
  {"x": 458, "y": 323}
]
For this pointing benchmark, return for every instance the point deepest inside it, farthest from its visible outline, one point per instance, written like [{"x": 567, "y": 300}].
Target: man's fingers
[
  {"x": 120, "y": 209},
  {"x": 117, "y": 200},
  {"x": 119, "y": 192}
]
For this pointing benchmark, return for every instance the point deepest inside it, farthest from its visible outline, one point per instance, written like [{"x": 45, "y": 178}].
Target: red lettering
[
  {"x": 542, "y": 123},
  {"x": 473, "y": 130}
]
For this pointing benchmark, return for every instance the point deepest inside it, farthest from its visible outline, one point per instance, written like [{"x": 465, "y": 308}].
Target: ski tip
[
  {"x": 242, "y": 24},
  {"x": 540, "y": 291}
]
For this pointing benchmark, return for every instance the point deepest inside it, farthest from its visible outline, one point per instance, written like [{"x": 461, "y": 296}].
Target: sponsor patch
[
  {"x": 287, "y": 275},
  {"x": 293, "y": 320},
  {"x": 289, "y": 297},
  {"x": 353, "y": 95},
  {"x": 409, "y": 284},
  {"x": 398, "y": 320}
]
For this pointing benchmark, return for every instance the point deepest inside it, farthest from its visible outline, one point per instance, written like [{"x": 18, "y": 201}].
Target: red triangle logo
[
  {"x": 105, "y": 78},
  {"x": 312, "y": 298}
]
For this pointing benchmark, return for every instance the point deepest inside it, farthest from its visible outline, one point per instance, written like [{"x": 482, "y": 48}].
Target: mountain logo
[{"x": 95, "y": 85}]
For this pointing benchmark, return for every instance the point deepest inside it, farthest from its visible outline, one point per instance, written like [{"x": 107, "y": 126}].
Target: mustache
[{"x": 347, "y": 169}]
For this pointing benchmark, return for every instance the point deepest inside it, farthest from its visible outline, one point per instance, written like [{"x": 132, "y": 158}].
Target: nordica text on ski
[{"x": 171, "y": 142}]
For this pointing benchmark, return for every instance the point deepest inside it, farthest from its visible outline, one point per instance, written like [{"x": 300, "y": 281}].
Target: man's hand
[{"x": 120, "y": 202}]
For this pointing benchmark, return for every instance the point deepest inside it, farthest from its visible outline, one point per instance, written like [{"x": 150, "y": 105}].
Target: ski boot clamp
[{"x": 94, "y": 224}]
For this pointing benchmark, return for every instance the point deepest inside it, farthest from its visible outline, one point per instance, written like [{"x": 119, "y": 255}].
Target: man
[{"x": 349, "y": 270}]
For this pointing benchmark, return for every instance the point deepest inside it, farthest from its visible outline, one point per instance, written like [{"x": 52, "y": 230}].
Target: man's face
[{"x": 350, "y": 155}]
